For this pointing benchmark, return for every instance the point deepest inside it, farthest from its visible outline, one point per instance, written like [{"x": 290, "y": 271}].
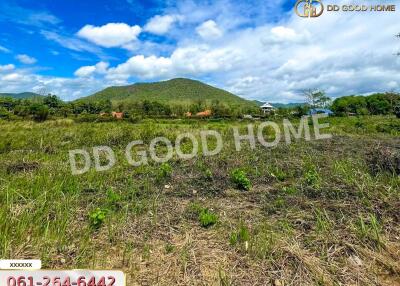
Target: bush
[
  {"x": 39, "y": 112},
  {"x": 397, "y": 111},
  {"x": 240, "y": 179}
]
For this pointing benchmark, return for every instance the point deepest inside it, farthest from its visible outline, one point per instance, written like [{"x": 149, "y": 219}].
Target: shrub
[
  {"x": 39, "y": 112},
  {"x": 97, "y": 217},
  {"x": 397, "y": 111},
  {"x": 388, "y": 127},
  {"x": 240, "y": 179},
  {"x": 207, "y": 218}
]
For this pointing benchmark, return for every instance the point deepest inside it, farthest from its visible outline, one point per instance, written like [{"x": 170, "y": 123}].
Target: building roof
[
  {"x": 266, "y": 105},
  {"x": 320, "y": 110}
]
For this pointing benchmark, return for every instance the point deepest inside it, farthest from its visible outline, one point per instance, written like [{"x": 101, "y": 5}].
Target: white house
[{"x": 267, "y": 108}]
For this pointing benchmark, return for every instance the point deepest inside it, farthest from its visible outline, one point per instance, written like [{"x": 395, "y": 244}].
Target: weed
[
  {"x": 311, "y": 177},
  {"x": 278, "y": 174},
  {"x": 113, "y": 199},
  {"x": 207, "y": 218},
  {"x": 97, "y": 217},
  {"x": 223, "y": 278},
  {"x": 290, "y": 190},
  {"x": 369, "y": 230},
  {"x": 165, "y": 170},
  {"x": 240, "y": 236},
  {"x": 193, "y": 210},
  {"x": 169, "y": 248},
  {"x": 208, "y": 174},
  {"x": 323, "y": 222},
  {"x": 240, "y": 179}
]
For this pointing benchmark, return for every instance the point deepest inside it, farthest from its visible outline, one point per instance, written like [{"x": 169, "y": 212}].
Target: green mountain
[
  {"x": 22, "y": 95},
  {"x": 174, "y": 91}
]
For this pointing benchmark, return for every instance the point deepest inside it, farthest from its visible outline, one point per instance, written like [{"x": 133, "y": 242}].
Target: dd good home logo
[{"x": 309, "y": 8}]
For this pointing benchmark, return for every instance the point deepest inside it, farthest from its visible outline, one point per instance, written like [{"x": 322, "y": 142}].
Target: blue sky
[{"x": 256, "y": 49}]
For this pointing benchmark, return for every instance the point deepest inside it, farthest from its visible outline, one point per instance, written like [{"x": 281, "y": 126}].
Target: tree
[
  {"x": 39, "y": 112},
  {"x": 317, "y": 98},
  {"x": 52, "y": 101}
]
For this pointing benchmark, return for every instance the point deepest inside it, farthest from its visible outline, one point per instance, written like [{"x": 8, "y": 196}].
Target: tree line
[
  {"x": 41, "y": 108},
  {"x": 374, "y": 104}
]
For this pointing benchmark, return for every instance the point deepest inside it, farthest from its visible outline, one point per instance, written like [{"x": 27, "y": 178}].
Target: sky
[{"x": 256, "y": 49}]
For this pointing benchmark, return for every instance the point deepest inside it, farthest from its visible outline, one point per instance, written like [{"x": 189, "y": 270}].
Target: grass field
[{"x": 311, "y": 213}]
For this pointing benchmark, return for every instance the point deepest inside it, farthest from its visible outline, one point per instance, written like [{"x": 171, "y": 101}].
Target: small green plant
[
  {"x": 208, "y": 174},
  {"x": 290, "y": 190},
  {"x": 169, "y": 248},
  {"x": 239, "y": 178},
  {"x": 240, "y": 236},
  {"x": 97, "y": 217},
  {"x": 312, "y": 178},
  {"x": 165, "y": 170},
  {"x": 323, "y": 222},
  {"x": 193, "y": 210},
  {"x": 113, "y": 199},
  {"x": 207, "y": 218},
  {"x": 223, "y": 278},
  {"x": 278, "y": 174},
  {"x": 369, "y": 230}
]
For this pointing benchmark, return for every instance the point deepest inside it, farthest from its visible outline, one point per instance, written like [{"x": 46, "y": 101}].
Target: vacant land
[{"x": 310, "y": 213}]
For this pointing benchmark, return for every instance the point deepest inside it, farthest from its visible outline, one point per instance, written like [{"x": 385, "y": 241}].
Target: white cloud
[
  {"x": 160, "y": 25},
  {"x": 209, "y": 30},
  {"x": 25, "y": 59},
  {"x": 71, "y": 43},
  {"x": 8, "y": 67},
  {"x": 192, "y": 60},
  {"x": 12, "y": 77},
  {"x": 86, "y": 71},
  {"x": 4, "y": 49},
  {"x": 110, "y": 35}
]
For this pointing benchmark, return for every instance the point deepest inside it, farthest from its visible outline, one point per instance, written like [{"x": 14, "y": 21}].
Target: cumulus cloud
[
  {"x": 209, "y": 30},
  {"x": 110, "y": 35},
  {"x": 25, "y": 59},
  {"x": 194, "y": 60},
  {"x": 160, "y": 25},
  {"x": 86, "y": 71},
  {"x": 8, "y": 67}
]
